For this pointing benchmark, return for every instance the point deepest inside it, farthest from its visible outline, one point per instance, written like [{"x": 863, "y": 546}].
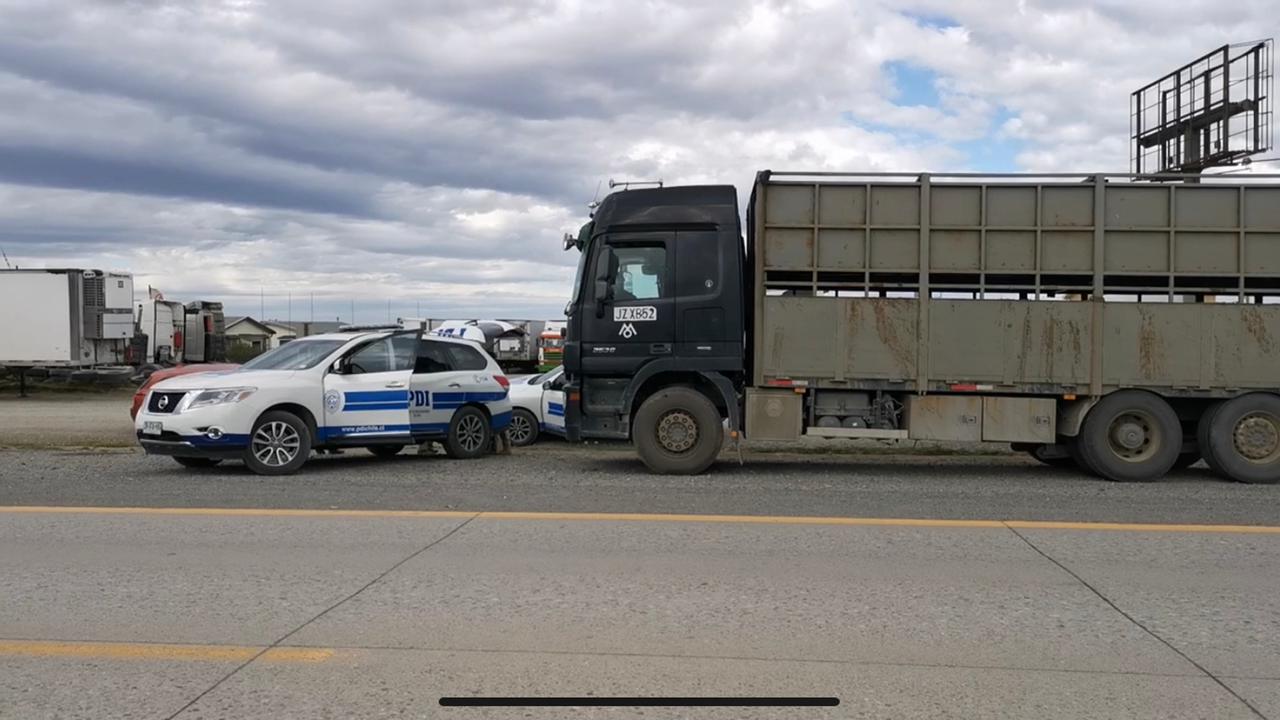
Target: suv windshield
[{"x": 297, "y": 355}]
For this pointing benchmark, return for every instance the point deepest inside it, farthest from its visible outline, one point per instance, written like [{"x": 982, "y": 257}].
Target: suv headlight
[{"x": 221, "y": 396}]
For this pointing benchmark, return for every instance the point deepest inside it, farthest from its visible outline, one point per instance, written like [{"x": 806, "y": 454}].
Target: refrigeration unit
[{"x": 65, "y": 317}]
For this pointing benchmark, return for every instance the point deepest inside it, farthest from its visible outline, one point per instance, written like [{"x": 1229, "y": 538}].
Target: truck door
[
  {"x": 369, "y": 398},
  {"x": 629, "y": 317}
]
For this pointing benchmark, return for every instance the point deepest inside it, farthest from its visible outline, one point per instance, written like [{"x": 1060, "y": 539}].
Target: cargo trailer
[
  {"x": 65, "y": 317},
  {"x": 1115, "y": 322}
]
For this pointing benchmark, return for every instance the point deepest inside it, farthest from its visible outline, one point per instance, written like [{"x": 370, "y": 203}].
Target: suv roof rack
[{"x": 363, "y": 328}]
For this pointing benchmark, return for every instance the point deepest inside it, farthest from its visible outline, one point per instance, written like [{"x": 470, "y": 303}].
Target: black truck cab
[{"x": 658, "y": 303}]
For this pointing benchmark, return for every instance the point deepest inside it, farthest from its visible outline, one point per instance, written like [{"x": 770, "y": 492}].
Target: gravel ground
[{"x": 67, "y": 420}]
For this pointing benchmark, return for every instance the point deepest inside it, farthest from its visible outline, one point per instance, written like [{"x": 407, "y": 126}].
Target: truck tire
[
  {"x": 523, "y": 429},
  {"x": 1244, "y": 438},
  {"x": 279, "y": 444},
  {"x": 196, "y": 462},
  {"x": 1130, "y": 436},
  {"x": 677, "y": 431},
  {"x": 1202, "y": 439},
  {"x": 469, "y": 434}
]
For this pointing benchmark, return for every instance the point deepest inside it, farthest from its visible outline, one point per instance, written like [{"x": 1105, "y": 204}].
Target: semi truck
[{"x": 1120, "y": 323}]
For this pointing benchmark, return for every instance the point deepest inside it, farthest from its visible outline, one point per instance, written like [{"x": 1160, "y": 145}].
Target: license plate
[
  {"x": 635, "y": 313},
  {"x": 152, "y": 427}
]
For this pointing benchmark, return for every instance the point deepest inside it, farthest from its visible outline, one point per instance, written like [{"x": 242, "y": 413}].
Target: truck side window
[
  {"x": 640, "y": 273},
  {"x": 432, "y": 358}
]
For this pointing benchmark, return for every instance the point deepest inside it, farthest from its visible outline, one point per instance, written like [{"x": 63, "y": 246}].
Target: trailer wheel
[
  {"x": 1130, "y": 436},
  {"x": 1244, "y": 438},
  {"x": 678, "y": 431}
]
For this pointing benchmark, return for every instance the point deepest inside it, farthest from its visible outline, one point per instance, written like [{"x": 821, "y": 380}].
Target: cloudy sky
[{"x": 428, "y": 154}]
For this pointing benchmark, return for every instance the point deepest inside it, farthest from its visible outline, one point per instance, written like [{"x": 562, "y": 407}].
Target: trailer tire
[
  {"x": 678, "y": 431},
  {"x": 1130, "y": 436},
  {"x": 1243, "y": 438}
]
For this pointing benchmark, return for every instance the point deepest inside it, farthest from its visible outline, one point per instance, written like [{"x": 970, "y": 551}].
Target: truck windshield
[{"x": 297, "y": 355}]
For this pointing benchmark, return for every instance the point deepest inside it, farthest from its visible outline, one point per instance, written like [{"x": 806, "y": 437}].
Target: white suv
[{"x": 380, "y": 390}]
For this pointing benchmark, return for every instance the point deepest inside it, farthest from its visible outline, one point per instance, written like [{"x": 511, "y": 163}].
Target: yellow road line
[
  {"x": 156, "y": 651},
  {"x": 653, "y": 517}
]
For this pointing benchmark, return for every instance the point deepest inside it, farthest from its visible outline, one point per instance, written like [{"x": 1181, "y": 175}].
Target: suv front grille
[{"x": 164, "y": 402}]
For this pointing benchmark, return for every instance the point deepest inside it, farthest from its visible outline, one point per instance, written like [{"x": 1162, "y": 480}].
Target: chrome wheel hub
[
  {"x": 275, "y": 444},
  {"x": 470, "y": 433}
]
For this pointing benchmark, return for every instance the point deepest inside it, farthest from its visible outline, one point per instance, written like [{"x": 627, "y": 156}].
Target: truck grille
[{"x": 164, "y": 402}]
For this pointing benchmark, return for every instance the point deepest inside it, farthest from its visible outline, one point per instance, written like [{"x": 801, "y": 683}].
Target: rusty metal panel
[
  {"x": 944, "y": 417},
  {"x": 1152, "y": 344},
  {"x": 966, "y": 342},
  {"x": 774, "y": 414},
  {"x": 955, "y": 206},
  {"x": 841, "y": 249},
  {"x": 951, "y": 250},
  {"x": 1243, "y": 342},
  {"x": 895, "y": 250},
  {"x": 1048, "y": 343},
  {"x": 1136, "y": 252},
  {"x": 789, "y": 205},
  {"x": 1066, "y": 251},
  {"x": 1207, "y": 207},
  {"x": 1067, "y": 206},
  {"x": 1019, "y": 419},
  {"x": 1011, "y": 206},
  {"x": 1137, "y": 207},
  {"x": 842, "y": 205},
  {"x": 879, "y": 337},
  {"x": 799, "y": 337},
  {"x": 1263, "y": 252},
  {"x": 895, "y": 205},
  {"x": 788, "y": 248},
  {"x": 1203, "y": 252}
]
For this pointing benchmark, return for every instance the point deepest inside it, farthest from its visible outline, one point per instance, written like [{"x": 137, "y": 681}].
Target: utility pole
[
  {"x": 353, "y": 311},
  {"x": 262, "y": 305}
]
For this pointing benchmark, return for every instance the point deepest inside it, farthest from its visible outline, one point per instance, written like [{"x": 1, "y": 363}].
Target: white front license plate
[{"x": 152, "y": 427}]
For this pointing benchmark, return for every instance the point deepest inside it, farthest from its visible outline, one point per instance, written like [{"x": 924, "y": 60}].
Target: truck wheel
[
  {"x": 1244, "y": 438},
  {"x": 523, "y": 430},
  {"x": 385, "y": 451},
  {"x": 678, "y": 431},
  {"x": 197, "y": 462},
  {"x": 279, "y": 444},
  {"x": 1202, "y": 439},
  {"x": 1130, "y": 436},
  {"x": 469, "y": 434}
]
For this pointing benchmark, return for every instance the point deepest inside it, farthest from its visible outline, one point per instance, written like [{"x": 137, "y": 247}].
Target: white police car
[
  {"x": 537, "y": 407},
  {"x": 381, "y": 389}
]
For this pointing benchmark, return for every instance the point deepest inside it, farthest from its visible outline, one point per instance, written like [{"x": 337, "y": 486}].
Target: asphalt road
[
  {"x": 556, "y": 477},
  {"x": 904, "y": 586}
]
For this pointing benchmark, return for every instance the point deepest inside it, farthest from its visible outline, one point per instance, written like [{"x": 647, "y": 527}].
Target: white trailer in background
[
  {"x": 163, "y": 322},
  {"x": 65, "y": 317}
]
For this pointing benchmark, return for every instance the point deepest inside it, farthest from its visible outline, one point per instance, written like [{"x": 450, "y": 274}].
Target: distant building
[
  {"x": 281, "y": 333},
  {"x": 249, "y": 335}
]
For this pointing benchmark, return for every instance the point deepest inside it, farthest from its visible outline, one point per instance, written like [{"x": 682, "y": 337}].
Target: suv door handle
[
  {"x": 394, "y": 384},
  {"x": 659, "y": 348},
  {"x": 457, "y": 385}
]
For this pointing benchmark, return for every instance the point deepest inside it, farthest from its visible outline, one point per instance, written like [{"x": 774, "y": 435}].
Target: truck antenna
[
  {"x": 6, "y": 259},
  {"x": 595, "y": 199},
  {"x": 626, "y": 184}
]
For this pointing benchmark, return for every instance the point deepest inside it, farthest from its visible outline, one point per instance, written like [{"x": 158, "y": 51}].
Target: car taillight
[{"x": 503, "y": 381}]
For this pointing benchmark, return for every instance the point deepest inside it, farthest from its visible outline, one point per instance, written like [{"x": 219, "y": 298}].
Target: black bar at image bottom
[{"x": 639, "y": 701}]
